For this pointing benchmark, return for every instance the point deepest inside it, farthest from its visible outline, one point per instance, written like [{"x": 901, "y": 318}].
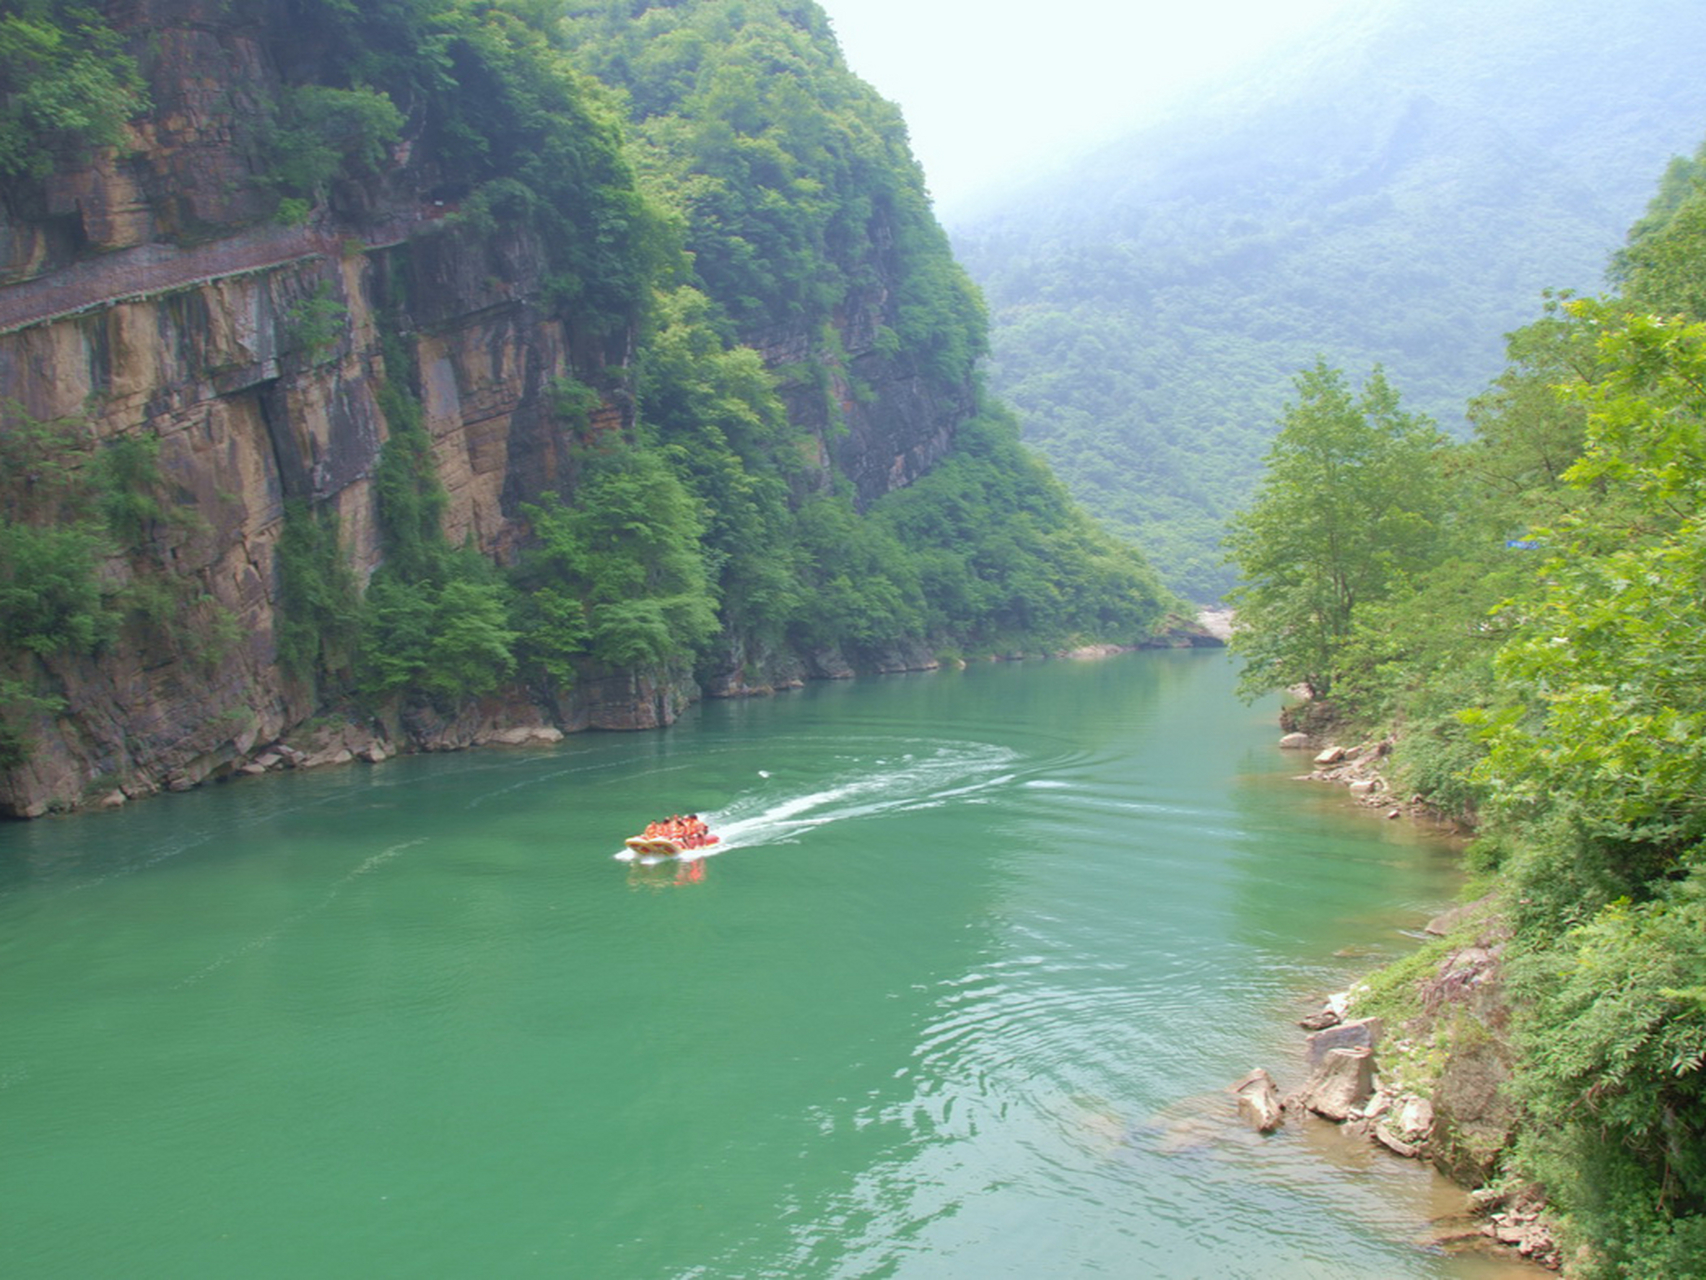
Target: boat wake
[
  {"x": 366, "y": 867},
  {"x": 780, "y": 811}
]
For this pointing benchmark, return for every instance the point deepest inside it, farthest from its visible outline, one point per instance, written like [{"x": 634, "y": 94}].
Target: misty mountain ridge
[{"x": 1397, "y": 187}]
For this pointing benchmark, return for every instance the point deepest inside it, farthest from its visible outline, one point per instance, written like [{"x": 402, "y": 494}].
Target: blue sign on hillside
[{"x": 1523, "y": 544}]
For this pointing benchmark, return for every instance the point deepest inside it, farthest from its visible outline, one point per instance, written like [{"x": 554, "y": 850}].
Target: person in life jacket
[{"x": 691, "y": 832}]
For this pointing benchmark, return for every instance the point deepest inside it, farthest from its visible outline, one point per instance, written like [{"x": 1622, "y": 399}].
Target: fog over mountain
[{"x": 1398, "y": 188}]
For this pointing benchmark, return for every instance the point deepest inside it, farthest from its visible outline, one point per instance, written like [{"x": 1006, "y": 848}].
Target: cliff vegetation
[{"x": 443, "y": 366}]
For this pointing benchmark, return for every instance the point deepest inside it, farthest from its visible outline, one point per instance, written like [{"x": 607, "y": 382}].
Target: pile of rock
[
  {"x": 282, "y": 755},
  {"x": 1359, "y": 768},
  {"x": 1518, "y": 1221},
  {"x": 346, "y": 743},
  {"x": 1344, "y": 1086}
]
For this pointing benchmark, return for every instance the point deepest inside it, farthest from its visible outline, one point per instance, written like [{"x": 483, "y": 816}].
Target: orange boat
[{"x": 672, "y": 837}]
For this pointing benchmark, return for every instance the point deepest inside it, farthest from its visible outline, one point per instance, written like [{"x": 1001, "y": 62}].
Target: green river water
[{"x": 958, "y": 996}]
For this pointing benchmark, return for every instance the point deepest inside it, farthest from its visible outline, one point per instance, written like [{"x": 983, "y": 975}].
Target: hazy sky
[{"x": 990, "y": 87}]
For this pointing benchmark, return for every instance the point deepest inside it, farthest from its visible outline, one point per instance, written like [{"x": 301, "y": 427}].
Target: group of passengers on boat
[{"x": 690, "y": 832}]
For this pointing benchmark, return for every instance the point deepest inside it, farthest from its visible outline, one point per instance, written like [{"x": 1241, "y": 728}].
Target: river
[{"x": 957, "y": 996}]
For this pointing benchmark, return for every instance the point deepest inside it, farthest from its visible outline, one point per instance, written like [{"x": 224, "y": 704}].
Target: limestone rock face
[
  {"x": 750, "y": 668},
  {"x": 899, "y": 425},
  {"x": 146, "y": 291},
  {"x": 247, "y": 422},
  {"x": 1473, "y": 1120}
]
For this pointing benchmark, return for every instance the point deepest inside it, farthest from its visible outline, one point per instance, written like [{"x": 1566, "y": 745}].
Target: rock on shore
[{"x": 1428, "y": 1089}]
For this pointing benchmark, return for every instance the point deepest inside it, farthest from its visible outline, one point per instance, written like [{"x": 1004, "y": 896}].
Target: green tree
[
  {"x": 618, "y": 577},
  {"x": 1607, "y": 662},
  {"x": 449, "y": 638},
  {"x": 861, "y": 583},
  {"x": 471, "y": 650},
  {"x": 714, "y": 412},
  {"x": 1420, "y": 655},
  {"x": 436, "y": 619},
  {"x": 1596, "y": 772},
  {"x": 790, "y": 178},
  {"x": 322, "y": 131},
  {"x": 1003, "y": 556},
  {"x": 1349, "y": 507},
  {"x": 1661, "y": 268},
  {"x": 66, "y": 81},
  {"x": 50, "y": 593},
  {"x": 319, "y": 613}
]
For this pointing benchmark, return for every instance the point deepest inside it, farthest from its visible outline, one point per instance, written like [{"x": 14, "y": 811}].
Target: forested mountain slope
[
  {"x": 1395, "y": 189},
  {"x": 425, "y": 371}
]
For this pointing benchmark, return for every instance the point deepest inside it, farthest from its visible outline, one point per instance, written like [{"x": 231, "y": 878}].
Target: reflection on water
[
  {"x": 666, "y": 873},
  {"x": 959, "y": 993}
]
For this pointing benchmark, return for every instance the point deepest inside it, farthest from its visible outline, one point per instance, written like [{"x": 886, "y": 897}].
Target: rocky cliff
[{"x": 149, "y": 290}]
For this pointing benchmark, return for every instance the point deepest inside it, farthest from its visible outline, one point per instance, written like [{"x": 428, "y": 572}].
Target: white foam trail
[
  {"x": 946, "y": 773},
  {"x": 368, "y": 864}
]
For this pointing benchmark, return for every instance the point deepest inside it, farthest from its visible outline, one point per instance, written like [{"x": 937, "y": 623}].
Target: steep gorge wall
[{"x": 142, "y": 292}]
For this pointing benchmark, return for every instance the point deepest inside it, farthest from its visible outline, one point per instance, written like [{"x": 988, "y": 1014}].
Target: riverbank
[
  {"x": 620, "y": 701},
  {"x": 1415, "y": 1057}
]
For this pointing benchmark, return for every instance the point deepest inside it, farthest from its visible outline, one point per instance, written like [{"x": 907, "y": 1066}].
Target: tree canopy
[
  {"x": 1348, "y": 509},
  {"x": 1539, "y": 661}
]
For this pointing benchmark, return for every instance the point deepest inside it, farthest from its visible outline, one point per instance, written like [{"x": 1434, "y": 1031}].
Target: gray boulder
[
  {"x": 1341, "y": 1084},
  {"x": 1359, "y": 1033},
  {"x": 1259, "y": 1101}
]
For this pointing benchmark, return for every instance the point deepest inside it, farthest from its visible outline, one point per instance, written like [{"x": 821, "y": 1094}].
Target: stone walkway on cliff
[{"x": 148, "y": 270}]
